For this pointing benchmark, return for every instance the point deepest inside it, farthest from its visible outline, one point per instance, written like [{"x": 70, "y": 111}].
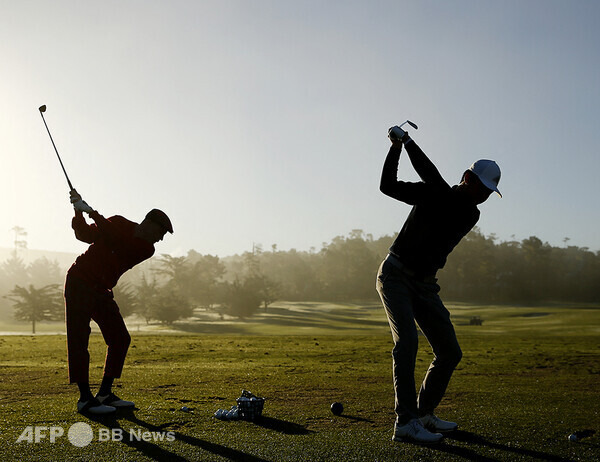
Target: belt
[
  {"x": 409, "y": 272},
  {"x": 92, "y": 285}
]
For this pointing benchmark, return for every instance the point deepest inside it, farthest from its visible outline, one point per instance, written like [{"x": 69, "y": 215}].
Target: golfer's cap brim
[{"x": 491, "y": 186}]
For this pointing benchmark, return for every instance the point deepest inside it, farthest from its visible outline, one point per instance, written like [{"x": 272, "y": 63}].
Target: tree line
[
  {"x": 168, "y": 288},
  {"x": 480, "y": 269}
]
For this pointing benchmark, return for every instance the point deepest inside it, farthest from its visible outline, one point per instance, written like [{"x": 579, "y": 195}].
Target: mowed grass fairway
[{"x": 529, "y": 377}]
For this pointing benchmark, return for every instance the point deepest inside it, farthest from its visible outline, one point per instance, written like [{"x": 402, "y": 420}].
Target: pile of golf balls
[{"x": 224, "y": 414}]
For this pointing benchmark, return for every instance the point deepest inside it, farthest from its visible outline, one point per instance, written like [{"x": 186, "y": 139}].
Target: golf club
[
  {"x": 412, "y": 124},
  {"x": 42, "y": 110}
]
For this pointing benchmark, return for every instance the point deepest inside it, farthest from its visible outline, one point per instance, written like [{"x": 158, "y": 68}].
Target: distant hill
[{"x": 64, "y": 259}]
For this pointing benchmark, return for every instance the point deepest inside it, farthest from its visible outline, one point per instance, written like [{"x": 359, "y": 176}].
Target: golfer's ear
[{"x": 470, "y": 177}]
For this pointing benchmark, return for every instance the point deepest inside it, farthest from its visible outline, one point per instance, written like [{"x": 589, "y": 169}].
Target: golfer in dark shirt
[
  {"x": 116, "y": 245},
  {"x": 441, "y": 216}
]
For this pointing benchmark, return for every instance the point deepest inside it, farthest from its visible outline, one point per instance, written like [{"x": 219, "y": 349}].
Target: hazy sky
[{"x": 266, "y": 121}]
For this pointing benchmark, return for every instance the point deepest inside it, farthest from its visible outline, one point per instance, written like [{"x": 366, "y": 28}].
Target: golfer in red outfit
[{"x": 117, "y": 245}]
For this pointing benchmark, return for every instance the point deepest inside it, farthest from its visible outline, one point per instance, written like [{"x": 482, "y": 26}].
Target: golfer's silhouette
[
  {"x": 440, "y": 217},
  {"x": 116, "y": 245}
]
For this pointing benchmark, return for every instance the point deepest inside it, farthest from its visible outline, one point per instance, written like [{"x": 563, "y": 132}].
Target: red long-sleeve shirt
[{"x": 114, "y": 249}]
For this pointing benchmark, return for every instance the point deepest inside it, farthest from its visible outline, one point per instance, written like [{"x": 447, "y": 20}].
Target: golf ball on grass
[{"x": 337, "y": 408}]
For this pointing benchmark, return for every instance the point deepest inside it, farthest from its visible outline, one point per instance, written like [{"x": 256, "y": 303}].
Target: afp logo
[{"x": 81, "y": 434}]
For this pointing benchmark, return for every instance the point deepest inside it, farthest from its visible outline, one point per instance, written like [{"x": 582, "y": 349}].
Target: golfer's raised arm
[
  {"x": 421, "y": 163},
  {"x": 84, "y": 232},
  {"x": 389, "y": 174},
  {"x": 390, "y": 185}
]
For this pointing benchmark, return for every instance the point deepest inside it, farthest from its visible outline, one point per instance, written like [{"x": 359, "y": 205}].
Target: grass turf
[{"x": 529, "y": 378}]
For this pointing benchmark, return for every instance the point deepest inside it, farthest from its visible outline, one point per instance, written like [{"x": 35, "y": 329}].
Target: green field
[{"x": 530, "y": 376}]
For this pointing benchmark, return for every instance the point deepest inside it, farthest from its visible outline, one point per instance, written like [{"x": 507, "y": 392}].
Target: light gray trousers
[{"x": 407, "y": 299}]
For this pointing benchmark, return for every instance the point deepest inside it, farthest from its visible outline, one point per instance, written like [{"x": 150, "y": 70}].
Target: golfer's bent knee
[
  {"x": 449, "y": 358},
  {"x": 125, "y": 341}
]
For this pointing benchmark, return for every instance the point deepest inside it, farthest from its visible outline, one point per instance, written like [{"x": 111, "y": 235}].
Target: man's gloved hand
[
  {"x": 396, "y": 133},
  {"x": 81, "y": 206},
  {"x": 74, "y": 196},
  {"x": 78, "y": 203}
]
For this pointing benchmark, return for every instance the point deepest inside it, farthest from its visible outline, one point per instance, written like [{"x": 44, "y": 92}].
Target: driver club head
[
  {"x": 43, "y": 108},
  {"x": 412, "y": 124}
]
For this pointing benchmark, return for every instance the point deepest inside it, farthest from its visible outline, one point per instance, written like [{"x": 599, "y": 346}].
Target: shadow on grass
[
  {"x": 342, "y": 319},
  {"x": 157, "y": 453},
  {"x": 282, "y": 426},
  {"x": 325, "y": 322},
  {"x": 355, "y": 418},
  {"x": 472, "y": 438}
]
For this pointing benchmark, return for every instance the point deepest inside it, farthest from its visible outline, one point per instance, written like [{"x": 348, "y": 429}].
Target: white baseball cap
[{"x": 488, "y": 172}]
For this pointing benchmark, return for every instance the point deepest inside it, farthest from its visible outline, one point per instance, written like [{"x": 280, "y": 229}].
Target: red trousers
[{"x": 84, "y": 303}]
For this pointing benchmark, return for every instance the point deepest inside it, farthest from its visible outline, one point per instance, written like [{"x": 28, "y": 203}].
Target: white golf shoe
[
  {"x": 114, "y": 401},
  {"x": 435, "y": 424},
  {"x": 93, "y": 406},
  {"x": 415, "y": 432}
]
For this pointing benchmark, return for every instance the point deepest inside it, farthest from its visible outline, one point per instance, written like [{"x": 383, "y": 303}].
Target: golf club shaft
[{"x": 56, "y": 150}]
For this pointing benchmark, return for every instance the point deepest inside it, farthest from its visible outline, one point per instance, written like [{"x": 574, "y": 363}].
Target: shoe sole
[
  {"x": 118, "y": 404},
  {"x": 100, "y": 413},
  {"x": 121, "y": 406},
  {"x": 437, "y": 430}
]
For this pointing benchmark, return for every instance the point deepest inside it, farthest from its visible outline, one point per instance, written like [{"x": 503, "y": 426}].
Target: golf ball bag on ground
[{"x": 249, "y": 407}]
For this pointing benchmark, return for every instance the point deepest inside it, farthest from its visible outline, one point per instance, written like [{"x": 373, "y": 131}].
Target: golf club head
[
  {"x": 43, "y": 108},
  {"x": 412, "y": 124}
]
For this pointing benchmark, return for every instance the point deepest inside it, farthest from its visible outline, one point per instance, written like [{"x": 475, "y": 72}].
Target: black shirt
[{"x": 441, "y": 215}]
